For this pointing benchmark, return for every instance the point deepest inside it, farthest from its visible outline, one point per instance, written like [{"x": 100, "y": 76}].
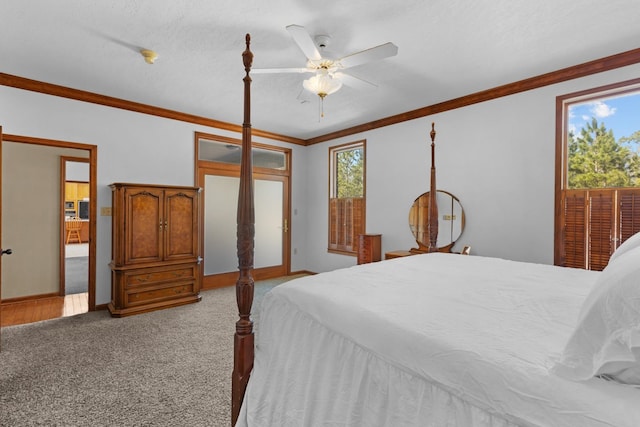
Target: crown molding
[
  {"x": 94, "y": 98},
  {"x": 582, "y": 70}
]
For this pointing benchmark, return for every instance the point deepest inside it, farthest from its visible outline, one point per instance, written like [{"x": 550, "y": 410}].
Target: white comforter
[{"x": 428, "y": 340}]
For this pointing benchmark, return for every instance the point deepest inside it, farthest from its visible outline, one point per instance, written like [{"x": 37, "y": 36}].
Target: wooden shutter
[
  {"x": 346, "y": 216},
  {"x": 333, "y": 223},
  {"x": 596, "y": 222},
  {"x": 628, "y": 213},
  {"x": 357, "y": 222},
  {"x": 601, "y": 227},
  {"x": 346, "y": 222},
  {"x": 574, "y": 230}
]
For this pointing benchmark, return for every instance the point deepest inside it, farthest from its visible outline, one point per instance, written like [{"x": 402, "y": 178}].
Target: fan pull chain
[{"x": 321, "y": 107}]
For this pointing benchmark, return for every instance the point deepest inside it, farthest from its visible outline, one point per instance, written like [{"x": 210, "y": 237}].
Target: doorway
[
  {"x": 75, "y": 197},
  {"x": 33, "y": 219},
  {"x": 218, "y": 174}
]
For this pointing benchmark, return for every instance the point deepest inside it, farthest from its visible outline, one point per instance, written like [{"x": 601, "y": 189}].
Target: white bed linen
[{"x": 428, "y": 340}]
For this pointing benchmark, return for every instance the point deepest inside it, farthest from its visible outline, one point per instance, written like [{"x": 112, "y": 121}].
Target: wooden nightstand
[
  {"x": 397, "y": 254},
  {"x": 369, "y": 248}
]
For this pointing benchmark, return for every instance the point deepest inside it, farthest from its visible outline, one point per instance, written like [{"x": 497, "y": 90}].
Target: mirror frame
[{"x": 423, "y": 246}]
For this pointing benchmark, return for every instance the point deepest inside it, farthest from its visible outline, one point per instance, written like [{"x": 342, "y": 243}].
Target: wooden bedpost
[
  {"x": 433, "y": 204},
  {"x": 243, "y": 350}
]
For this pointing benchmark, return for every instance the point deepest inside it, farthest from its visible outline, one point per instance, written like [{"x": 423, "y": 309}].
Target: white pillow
[
  {"x": 606, "y": 341},
  {"x": 631, "y": 243}
]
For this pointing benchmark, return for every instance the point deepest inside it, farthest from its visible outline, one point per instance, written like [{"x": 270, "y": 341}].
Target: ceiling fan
[{"x": 328, "y": 72}]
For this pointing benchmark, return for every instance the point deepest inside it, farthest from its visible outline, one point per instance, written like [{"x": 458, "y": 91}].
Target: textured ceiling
[{"x": 446, "y": 49}]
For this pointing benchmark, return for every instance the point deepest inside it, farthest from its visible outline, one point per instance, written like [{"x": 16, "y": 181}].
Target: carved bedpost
[
  {"x": 243, "y": 350},
  {"x": 433, "y": 204}
]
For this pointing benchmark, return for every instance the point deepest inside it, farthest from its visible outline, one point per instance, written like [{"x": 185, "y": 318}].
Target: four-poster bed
[
  {"x": 437, "y": 339},
  {"x": 244, "y": 337}
]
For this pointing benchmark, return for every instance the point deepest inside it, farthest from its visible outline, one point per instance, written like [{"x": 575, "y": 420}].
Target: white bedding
[{"x": 427, "y": 340}]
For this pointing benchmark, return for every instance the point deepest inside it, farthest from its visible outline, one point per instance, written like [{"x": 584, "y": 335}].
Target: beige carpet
[{"x": 166, "y": 368}]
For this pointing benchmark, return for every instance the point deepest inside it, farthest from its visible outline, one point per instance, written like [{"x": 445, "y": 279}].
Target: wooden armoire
[{"x": 155, "y": 247}]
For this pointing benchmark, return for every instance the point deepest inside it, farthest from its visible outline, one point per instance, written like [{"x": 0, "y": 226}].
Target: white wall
[
  {"x": 77, "y": 171},
  {"x": 132, "y": 147},
  {"x": 497, "y": 157},
  {"x": 501, "y": 151}
]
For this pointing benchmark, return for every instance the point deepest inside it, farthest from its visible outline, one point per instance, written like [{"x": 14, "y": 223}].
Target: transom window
[{"x": 227, "y": 150}]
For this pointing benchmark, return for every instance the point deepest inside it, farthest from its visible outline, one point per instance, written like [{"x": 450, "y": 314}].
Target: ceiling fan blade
[
  {"x": 354, "y": 82},
  {"x": 373, "y": 54},
  {"x": 304, "y": 42},
  {"x": 280, "y": 70}
]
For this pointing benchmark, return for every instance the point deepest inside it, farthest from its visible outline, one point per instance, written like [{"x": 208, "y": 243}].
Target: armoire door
[
  {"x": 143, "y": 224},
  {"x": 181, "y": 224},
  {"x": 160, "y": 225}
]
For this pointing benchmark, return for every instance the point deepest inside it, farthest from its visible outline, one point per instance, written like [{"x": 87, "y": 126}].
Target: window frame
[
  {"x": 563, "y": 103},
  {"x": 346, "y": 249}
]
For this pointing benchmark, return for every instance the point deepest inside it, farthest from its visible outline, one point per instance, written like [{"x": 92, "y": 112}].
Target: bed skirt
[{"x": 307, "y": 375}]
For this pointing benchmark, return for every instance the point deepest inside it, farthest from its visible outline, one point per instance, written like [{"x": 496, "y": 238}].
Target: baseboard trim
[
  {"x": 17, "y": 300},
  {"x": 302, "y": 272}
]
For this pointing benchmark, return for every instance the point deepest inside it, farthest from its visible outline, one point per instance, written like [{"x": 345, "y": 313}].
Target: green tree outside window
[
  {"x": 597, "y": 160},
  {"x": 350, "y": 173}
]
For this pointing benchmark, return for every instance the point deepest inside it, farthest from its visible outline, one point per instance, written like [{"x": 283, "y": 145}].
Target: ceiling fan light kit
[
  {"x": 328, "y": 75},
  {"x": 322, "y": 84}
]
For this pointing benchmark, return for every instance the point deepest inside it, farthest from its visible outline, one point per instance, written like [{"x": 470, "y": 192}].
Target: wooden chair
[{"x": 73, "y": 230}]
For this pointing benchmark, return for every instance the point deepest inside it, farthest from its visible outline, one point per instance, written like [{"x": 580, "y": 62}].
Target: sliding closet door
[
  {"x": 221, "y": 201},
  {"x": 270, "y": 224},
  {"x": 271, "y": 227},
  {"x": 220, "y": 207}
]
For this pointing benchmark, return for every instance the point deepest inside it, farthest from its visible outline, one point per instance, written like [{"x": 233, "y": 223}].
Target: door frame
[
  {"x": 93, "y": 175},
  {"x": 203, "y": 167}
]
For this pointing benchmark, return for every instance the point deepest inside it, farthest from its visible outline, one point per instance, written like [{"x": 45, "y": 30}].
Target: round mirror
[{"x": 450, "y": 220}]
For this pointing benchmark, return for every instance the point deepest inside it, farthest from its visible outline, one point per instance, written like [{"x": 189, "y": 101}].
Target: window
[
  {"x": 598, "y": 186},
  {"x": 346, "y": 196},
  {"x": 215, "y": 148}
]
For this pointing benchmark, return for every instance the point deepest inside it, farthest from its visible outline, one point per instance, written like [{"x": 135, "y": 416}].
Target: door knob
[{"x": 5, "y": 252}]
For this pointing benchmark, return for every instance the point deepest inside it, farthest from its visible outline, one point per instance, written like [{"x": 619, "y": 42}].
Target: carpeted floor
[
  {"x": 165, "y": 368},
  {"x": 76, "y": 275}
]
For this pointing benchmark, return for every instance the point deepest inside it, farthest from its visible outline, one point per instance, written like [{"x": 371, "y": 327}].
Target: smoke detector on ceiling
[{"x": 148, "y": 55}]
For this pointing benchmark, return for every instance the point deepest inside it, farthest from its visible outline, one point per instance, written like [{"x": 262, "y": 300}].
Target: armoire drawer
[
  {"x": 145, "y": 296},
  {"x": 148, "y": 277}
]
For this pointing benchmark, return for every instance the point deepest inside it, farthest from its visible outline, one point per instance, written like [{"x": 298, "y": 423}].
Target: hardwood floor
[
  {"x": 31, "y": 311},
  {"x": 35, "y": 310}
]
